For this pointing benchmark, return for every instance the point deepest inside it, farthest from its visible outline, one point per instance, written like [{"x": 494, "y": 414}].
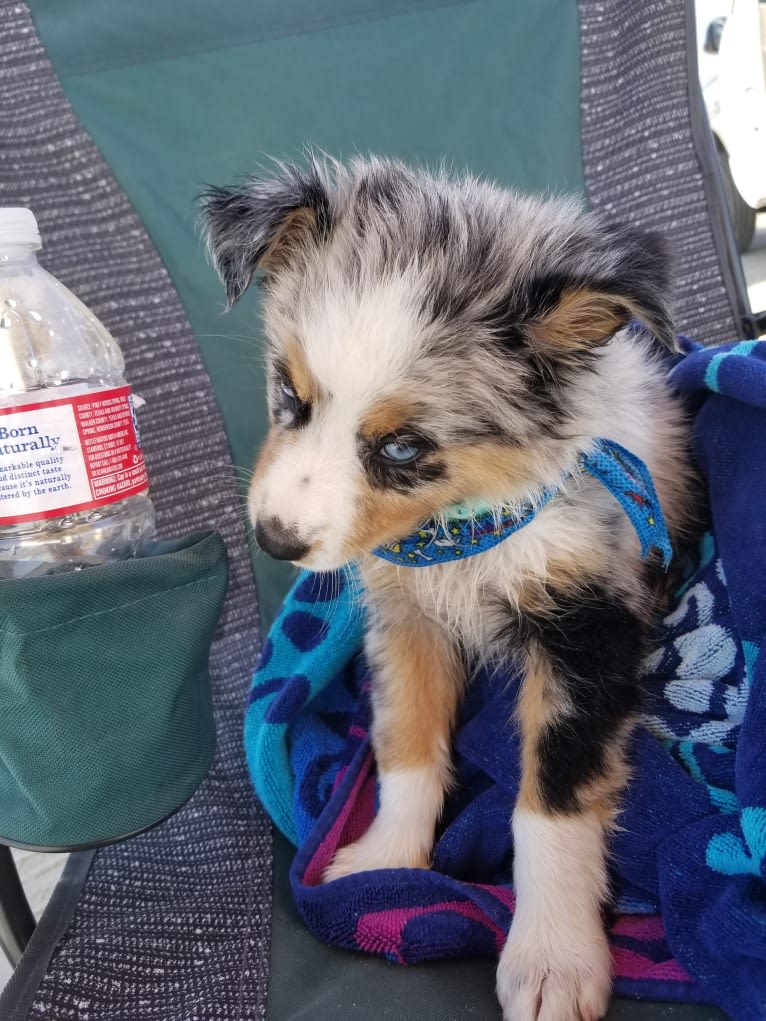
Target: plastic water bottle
[{"x": 73, "y": 485}]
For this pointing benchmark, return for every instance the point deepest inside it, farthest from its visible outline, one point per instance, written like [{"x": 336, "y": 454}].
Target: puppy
[{"x": 435, "y": 341}]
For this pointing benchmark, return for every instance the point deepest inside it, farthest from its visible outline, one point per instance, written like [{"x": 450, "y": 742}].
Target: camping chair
[{"x": 114, "y": 116}]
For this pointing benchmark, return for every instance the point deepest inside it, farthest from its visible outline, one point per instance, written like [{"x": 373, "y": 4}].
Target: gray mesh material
[
  {"x": 642, "y": 162},
  {"x": 174, "y": 924}
]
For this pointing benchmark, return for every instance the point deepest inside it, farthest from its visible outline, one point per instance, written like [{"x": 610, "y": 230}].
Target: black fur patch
[
  {"x": 387, "y": 474},
  {"x": 594, "y": 646},
  {"x": 293, "y": 413},
  {"x": 382, "y": 190},
  {"x": 301, "y": 415},
  {"x": 438, "y": 228},
  {"x": 446, "y": 303},
  {"x": 242, "y": 221},
  {"x": 404, "y": 478}
]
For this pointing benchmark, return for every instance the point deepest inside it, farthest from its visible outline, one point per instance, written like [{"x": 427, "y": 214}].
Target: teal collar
[{"x": 463, "y": 531}]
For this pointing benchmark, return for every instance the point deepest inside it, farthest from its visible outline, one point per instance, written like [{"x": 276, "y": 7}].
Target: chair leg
[{"x": 17, "y": 922}]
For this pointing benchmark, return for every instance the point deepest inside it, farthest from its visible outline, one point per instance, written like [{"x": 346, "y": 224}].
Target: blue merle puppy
[{"x": 433, "y": 341}]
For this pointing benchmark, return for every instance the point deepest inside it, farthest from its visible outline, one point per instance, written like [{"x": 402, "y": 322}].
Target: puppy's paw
[
  {"x": 380, "y": 848},
  {"x": 555, "y": 980}
]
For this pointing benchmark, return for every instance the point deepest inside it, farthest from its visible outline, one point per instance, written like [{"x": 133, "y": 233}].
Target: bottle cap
[{"x": 18, "y": 226}]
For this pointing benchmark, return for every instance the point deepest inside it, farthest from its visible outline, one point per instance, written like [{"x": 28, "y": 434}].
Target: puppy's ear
[
  {"x": 603, "y": 281},
  {"x": 257, "y": 225}
]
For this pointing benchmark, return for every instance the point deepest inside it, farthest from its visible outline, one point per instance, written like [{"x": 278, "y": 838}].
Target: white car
[{"x": 733, "y": 77}]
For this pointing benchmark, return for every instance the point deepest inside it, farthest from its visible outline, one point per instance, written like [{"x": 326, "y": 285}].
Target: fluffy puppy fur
[{"x": 434, "y": 340}]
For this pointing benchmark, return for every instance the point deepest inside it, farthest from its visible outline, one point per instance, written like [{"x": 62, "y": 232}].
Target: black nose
[{"x": 279, "y": 542}]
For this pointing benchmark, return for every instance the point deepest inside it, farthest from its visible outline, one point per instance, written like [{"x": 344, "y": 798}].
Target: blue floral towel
[{"x": 691, "y": 856}]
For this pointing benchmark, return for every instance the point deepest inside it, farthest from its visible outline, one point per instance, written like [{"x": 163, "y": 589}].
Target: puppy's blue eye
[
  {"x": 288, "y": 392},
  {"x": 399, "y": 451}
]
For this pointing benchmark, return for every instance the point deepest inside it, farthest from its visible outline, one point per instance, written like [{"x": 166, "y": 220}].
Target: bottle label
[{"x": 67, "y": 455}]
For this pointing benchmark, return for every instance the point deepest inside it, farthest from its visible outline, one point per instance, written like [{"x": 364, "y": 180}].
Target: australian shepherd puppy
[{"x": 434, "y": 341}]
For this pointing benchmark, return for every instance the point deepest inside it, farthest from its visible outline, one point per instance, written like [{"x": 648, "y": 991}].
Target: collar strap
[{"x": 463, "y": 531}]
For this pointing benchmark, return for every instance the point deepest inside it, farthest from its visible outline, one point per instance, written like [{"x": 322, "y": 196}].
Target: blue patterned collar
[{"x": 462, "y": 532}]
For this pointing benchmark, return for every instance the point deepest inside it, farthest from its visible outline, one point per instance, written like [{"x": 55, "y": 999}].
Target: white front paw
[
  {"x": 402, "y": 833},
  {"x": 382, "y": 847},
  {"x": 554, "y": 979}
]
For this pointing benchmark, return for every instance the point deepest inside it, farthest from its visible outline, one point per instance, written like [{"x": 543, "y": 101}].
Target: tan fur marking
[
  {"x": 536, "y": 707},
  {"x": 275, "y": 438},
  {"x": 601, "y": 795},
  {"x": 298, "y": 226},
  {"x": 386, "y": 417},
  {"x": 385, "y": 515},
  {"x": 417, "y": 684},
  {"x": 583, "y": 317},
  {"x": 540, "y": 703},
  {"x": 304, "y": 383},
  {"x": 491, "y": 470}
]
